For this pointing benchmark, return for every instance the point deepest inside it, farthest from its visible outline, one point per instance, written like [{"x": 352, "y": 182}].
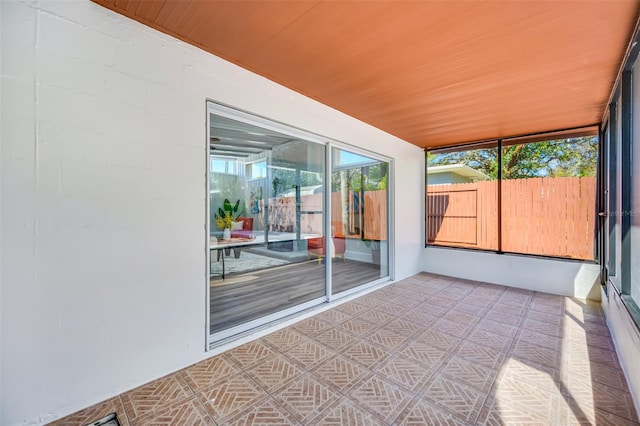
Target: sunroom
[{"x": 402, "y": 209}]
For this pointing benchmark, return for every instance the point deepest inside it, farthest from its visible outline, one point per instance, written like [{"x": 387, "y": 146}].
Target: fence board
[
  {"x": 546, "y": 216},
  {"x": 375, "y": 215}
]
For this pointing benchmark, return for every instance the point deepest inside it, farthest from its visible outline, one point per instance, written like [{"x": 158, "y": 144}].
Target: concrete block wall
[{"x": 103, "y": 156}]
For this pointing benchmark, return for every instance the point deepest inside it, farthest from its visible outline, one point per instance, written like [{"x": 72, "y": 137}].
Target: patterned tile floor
[{"x": 428, "y": 350}]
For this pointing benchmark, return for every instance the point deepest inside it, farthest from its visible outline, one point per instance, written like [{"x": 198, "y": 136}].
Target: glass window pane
[
  {"x": 548, "y": 197},
  {"x": 635, "y": 191},
  {"x": 266, "y": 204},
  {"x": 462, "y": 198},
  {"x": 359, "y": 224}
]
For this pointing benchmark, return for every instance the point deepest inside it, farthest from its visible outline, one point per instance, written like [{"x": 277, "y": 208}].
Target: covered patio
[
  {"x": 118, "y": 151},
  {"x": 426, "y": 350}
]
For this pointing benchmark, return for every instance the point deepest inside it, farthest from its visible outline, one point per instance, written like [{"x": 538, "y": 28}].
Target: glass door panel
[
  {"x": 359, "y": 221},
  {"x": 266, "y": 208}
]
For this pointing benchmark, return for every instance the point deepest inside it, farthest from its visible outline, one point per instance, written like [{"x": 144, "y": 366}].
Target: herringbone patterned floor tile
[
  {"x": 513, "y": 310},
  {"x": 346, "y": 413},
  {"x": 366, "y": 353},
  {"x": 282, "y": 339},
  {"x": 405, "y": 372},
  {"x": 594, "y": 372},
  {"x": 469, "y": 373},
  {"x": 209, "y": 372},
  {"x": 541, "y": 376},
  {"x": 333, "y": 316},
  {"x": 557, "y": 320},
  {"x": 496, "y": 341},
  {"x": 250, "y": 353},
  {"x": 461, "y": 317},
  {"x": 358, "y": 326},
  {"x": 387, "y": 292},
  {"x": 95, "y": 412},
  {"x": 426, "y": 354},
  {"x": 582, "y": 355},
  {"x": 543, "y": 327},
  {"x": 421, "y": 413},
  {"x": 445, "y": 303},
  {"x": 538, "y": 354},
  {"x": 352, "y": 308},
  {"x": 391, "y": 308},
  {"x": 512, "y": 299},
  {"x": 439, "y": 340},
  {"x": 496, "y": 327},
  {"x": 371, "y": 300},
  {"x": 335, "y": 338},
  {"x": 428, "y": 350},
  {"x": 162, "y": 393},
  {"x": 580, "y": 337},
  {"x": 512, "y": 390},
  {"x": 540, "y": 339},
  {"x": 502, "y": 412},
  {"x": 389, "y": 339},
  {"x": 420, "y": 317},
  {"x": 463, "y": 400},
  {"x": 481, "y": 354},
  {"x": 340, "y": 372},
  {"x": 189, "y": 413},
  {"x": 311, "y": 326},
  {"x": 404, "y": 327},
  {"x": 591, "y": 396},
  {"x": 457, "y": 329},
  {"x": 381, "y": 397},
  {"x": 595, "y": 328},
  {"x": 376, "y": 316},
  {"x": 230, "y": 397},
  {"x": 309, "y": 353},
  {"x": 407, "y": 301},
  {"x": 265, "y": 412},
  {"x": 478, "y": 311},
  {"x": 275, "y": 372},
  {"x": 574, "y": 416},
  {"x": 553, "y": 309},
  {"x": 306, "y": 397},
  {"x": 504, "y": 318},
  {"x": 428, "y": 308}
]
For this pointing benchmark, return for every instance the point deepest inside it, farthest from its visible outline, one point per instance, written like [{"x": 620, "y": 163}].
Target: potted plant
[{"x": 227, "y": 215}]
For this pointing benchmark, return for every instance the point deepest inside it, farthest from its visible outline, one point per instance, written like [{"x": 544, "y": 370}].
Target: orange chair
[{"x": 315, "y": 246}]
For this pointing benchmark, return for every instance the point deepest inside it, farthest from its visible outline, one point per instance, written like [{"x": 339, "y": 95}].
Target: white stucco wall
[
  {"x": 556, "y": 276},
  {"x": 103, "y": 201}
]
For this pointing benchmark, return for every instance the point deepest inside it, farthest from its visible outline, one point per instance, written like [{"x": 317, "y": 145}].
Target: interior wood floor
[{"x": 245, "y": 297}]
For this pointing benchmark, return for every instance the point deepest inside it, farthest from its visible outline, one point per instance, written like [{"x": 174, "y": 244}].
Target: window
[
  {"x": 462, "y": 197},
  {"x": 548, "y": 197},
  {"x": 621, "y": 264},
  {"x": 533, "y": 195},
  {"x": 634, "y": 192},
  {"x": 223, "y": 165},
  {"x": 257, "y": 170}
]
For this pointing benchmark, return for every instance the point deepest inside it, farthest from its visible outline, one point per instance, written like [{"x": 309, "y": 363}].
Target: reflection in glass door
[
  {"x": 359, "y": 220},
  {"x": 266, "y": 213}
]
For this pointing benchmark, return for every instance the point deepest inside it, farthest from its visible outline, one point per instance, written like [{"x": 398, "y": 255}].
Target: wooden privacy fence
[
  {"x": 545, "y": 216},
  {"x": 369, "y": 215}
]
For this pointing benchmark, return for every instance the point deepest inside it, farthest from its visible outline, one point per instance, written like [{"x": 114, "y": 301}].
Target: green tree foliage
[
  {"x": 369, "y": 178},
  {"x": 555, "y": 158}
]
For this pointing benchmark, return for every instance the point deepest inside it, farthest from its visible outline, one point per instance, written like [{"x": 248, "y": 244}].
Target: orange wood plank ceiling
[{"x": 433, "y": 73}]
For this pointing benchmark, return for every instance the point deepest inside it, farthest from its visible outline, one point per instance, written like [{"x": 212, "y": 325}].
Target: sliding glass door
[
  {"x": 359, "y": 220},
  {"x": 270, "y": 205}
]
